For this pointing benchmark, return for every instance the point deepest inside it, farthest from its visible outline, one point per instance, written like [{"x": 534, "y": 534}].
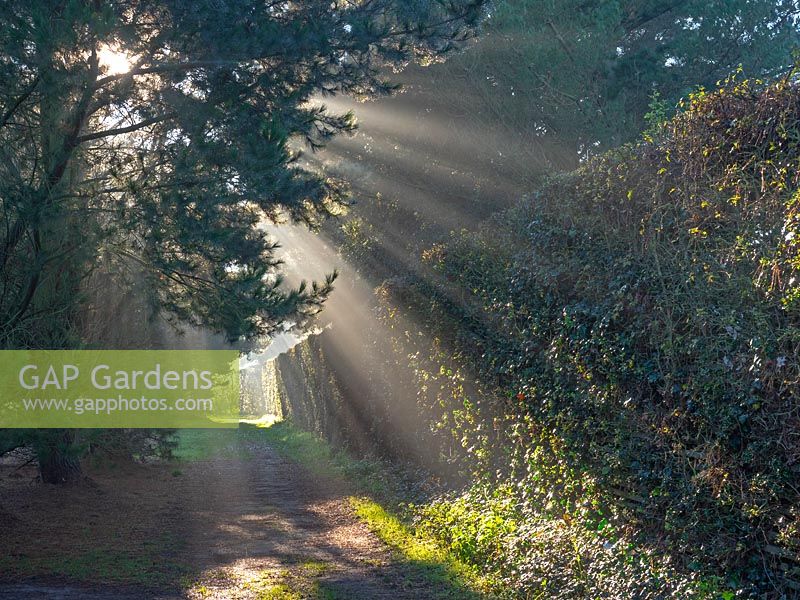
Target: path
[
  {"x": 249, "y": 524},
  {"x": 267, "y": 519}
]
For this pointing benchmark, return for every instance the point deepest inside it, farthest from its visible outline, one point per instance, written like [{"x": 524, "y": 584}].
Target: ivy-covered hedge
[{"x": 640, "y": 321}]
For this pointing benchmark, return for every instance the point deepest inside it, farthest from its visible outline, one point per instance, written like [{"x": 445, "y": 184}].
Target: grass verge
[{"x": 454, "y": 578}]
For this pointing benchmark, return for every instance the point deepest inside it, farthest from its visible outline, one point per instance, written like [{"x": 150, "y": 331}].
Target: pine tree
[
  {"x": 157, "y": 135},
  {"x": 163, "y": 132}
]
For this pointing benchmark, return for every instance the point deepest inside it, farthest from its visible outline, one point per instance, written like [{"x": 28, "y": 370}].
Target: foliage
[
  {"x": 575, "y": 77},
  {"x": 124, "y": 444},
  {"x": 171, "y": 161},
  {"x": 367, "y": 411},
  {"x": 638, "y": 319},
  {"x": 143, "y": 143},
  {"x": 358, "y": 242},
  {"x": 451, "y": 577},
  {"x": 533, "y": 556}
]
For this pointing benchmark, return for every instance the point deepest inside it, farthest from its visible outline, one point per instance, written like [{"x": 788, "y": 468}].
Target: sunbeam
[{"x": 399, "y": 300}]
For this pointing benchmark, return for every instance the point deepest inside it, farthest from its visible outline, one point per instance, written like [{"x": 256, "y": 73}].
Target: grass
[
  {"x": 106, "y": 564},
  {"x": 278, "y": 591},
  {"x": 301, "y": 446},
  {"x": 270, "y": 584},
  {"x": 432, "y": 562},
  {"x": 201, "y": 444},
  {"x": 315, "y": 568}
]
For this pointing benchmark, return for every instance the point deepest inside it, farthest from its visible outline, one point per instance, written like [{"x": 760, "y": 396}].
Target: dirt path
[
  {"x": 246, "y": 524},
  {"x": 265, "y": 521}
]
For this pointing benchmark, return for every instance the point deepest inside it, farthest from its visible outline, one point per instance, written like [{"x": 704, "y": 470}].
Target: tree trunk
[{"x": 59, "y": 460}]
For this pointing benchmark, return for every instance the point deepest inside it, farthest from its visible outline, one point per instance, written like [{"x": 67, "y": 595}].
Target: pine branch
[{"x": 122, "y": 130}]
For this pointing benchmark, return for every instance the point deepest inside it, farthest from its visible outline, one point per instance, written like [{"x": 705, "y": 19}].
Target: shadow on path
[{"x": 244, "y": 523}]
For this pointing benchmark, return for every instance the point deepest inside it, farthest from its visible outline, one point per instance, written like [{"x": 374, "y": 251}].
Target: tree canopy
[
  {"x": 585, "y": 72},
  {"x": 155, "y": 136}
]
